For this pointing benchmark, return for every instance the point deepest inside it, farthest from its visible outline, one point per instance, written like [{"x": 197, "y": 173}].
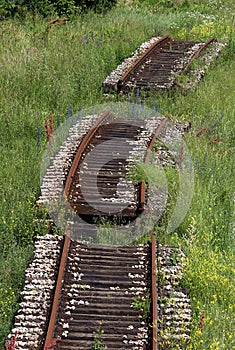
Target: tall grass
[{"x": 44, "y": 67}]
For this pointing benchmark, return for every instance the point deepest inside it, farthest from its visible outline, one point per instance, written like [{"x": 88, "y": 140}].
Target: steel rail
[
  {"x": 149, "y": 149},
  {"x": 154, "y": 292},
  {"x": 81, "y": 149},
  {"x": 56, "y": 298},
  {"x": 196, "y": 54},
  {"x": 140, "y": 59}
]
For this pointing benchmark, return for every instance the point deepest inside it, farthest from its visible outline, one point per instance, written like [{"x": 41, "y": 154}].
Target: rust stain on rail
[
  {"x": 57, "y": 291},
  {"x": 196, "y": 54},
  {"x": 81, "y": 149},
  {"x": 141, "y": 58}
]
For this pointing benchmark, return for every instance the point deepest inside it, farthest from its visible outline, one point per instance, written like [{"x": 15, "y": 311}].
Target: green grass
[{"x": 44, "y": 68}]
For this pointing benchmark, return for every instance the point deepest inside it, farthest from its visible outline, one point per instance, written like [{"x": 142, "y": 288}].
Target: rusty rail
[
  {"x": 57, "y": 291},
  {"x": 154, "y": 292},
  {"x": 141, "y": 58},
  {"x": 149, "y": 149},
  {"x": 196, "y": 54},
  {"x": 81, "y": 149}
]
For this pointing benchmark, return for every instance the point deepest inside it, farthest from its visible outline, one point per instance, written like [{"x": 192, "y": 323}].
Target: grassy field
[{"x": 44, "y": 68}]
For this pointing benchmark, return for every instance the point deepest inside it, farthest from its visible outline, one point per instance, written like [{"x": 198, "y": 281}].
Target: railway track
[
  {"x": 81, "y": 295},
  {"x": 112, "y": 295},
  {"x": 117, "y": 297},
  {"x": 158, "y": 66},
  {"x": 86, "y": 295},
  {"x": 102, "y": 176},
  {"x": 99, "y": 291},
  {"x": 91, "y": 172},
  {"x": 107, "y": 172}
]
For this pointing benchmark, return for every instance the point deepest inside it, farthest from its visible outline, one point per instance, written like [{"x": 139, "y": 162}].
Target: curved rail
[
  {"x": 197, "y": 53},
  {"x": 81, "y": 149},
  {"x": 149, "y": 149},
  {"x": 141, "y": 58}
]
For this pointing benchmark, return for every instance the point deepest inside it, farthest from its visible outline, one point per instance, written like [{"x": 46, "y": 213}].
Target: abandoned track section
[
  {"x": 100, "y": 293},
  {"x": 101, "y": 178},
  {"x": 160, "y": 64},
  {"x": 104, "y": 172},
  {"x": 103, "y": 295}
]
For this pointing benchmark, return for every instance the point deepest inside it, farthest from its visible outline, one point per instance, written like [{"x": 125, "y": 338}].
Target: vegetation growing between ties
[
  {"x": 47, "y": 64},
  {"x": 98, "y": 341},
  {"x": 143, "y": 304}
]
